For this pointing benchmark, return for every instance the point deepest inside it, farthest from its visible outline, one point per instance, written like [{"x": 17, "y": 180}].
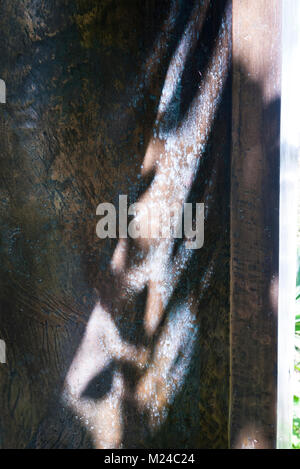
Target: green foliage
[
  {"x": 296, "y": 422},
  {"x": 296, "y": 433}
]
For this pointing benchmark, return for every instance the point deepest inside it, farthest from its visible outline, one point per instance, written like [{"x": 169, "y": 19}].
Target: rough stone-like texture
[{"x": 84, "y": 84}]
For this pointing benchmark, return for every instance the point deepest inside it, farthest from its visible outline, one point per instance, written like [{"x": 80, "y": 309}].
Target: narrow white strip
[{"x": 289, "y": 149}]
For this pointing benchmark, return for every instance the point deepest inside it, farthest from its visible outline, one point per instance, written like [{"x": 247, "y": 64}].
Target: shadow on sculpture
[{"x": 79, "y": 121}]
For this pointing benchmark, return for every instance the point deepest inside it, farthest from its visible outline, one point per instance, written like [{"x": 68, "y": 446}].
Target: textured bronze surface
[
  {"x": 254, "y": 222},
  {"x": 84, "y": 82}
]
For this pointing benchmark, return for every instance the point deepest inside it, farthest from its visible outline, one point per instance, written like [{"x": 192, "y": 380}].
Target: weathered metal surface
[
  {"x": 113, "y": 344},
  {"x": 255, "y": 222}
]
